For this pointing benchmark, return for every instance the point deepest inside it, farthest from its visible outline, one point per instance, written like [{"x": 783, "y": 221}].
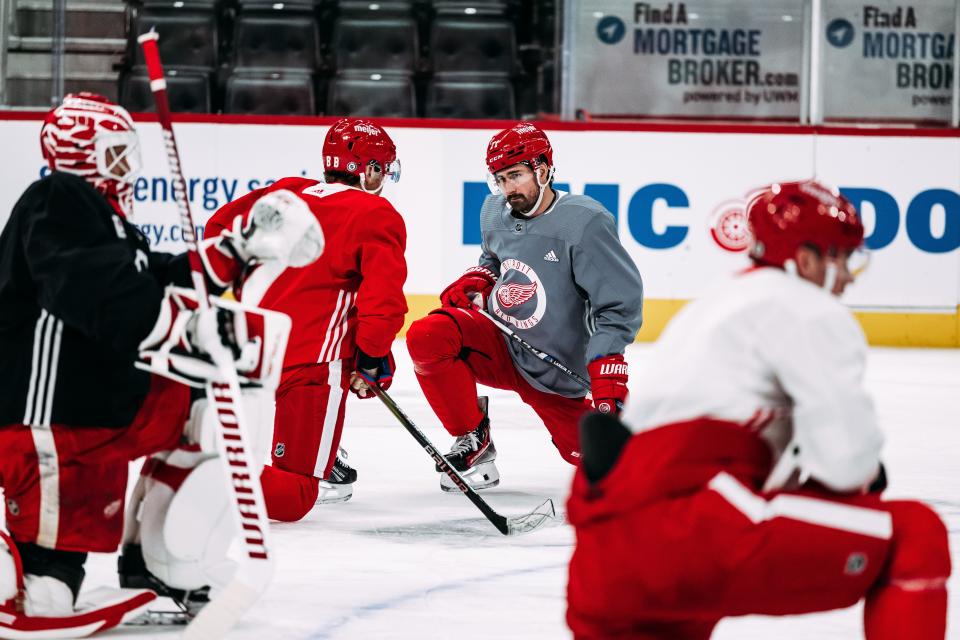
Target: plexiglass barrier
[{"x": 807, "y": 61}]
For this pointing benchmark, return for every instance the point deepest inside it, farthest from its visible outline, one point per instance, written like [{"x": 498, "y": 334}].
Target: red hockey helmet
[
  {"x": 352, "y": 144},
  {"x": 523, "y": 142},
  {"x": 788, "y": 215},
  {"x": 92, "y": 137}
]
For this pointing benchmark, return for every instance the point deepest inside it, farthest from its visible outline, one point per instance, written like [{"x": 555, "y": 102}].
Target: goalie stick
[
  {"x": 507, "y": 526},
  {"x": 543, "y": 355},
  {"x": 255, "y": 566}
]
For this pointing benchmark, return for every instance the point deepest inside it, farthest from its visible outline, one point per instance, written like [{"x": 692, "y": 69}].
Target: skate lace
[{"x": 466, "y": 444}]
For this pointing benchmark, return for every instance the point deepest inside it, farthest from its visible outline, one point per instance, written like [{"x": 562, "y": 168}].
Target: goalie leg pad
[
  {"x": 186, "y": 525},
  {"x": 25, "y": 601},
  {"x": 185, "y": 518}
]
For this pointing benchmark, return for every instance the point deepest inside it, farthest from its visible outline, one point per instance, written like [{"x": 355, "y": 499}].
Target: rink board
[{"x": 666, "y": 184}]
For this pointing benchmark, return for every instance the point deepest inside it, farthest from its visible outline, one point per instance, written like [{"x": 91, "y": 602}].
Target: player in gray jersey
[{"x": 554, "y": 271}]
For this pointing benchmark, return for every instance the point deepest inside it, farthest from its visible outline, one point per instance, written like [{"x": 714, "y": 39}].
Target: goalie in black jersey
[{"x": 82, "y": 298}]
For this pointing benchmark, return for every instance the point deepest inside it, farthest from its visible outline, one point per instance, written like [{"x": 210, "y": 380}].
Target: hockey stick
[
  {"x": 255, "y": 564},
  {"x": 543, "y": 355},
  {"x": 507, "y": 526}
]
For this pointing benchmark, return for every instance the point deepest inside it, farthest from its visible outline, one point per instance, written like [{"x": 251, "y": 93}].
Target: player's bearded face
[{"x": 519, "y": 186}]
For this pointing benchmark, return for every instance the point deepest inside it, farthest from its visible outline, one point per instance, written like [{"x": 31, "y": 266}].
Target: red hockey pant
[
  {"x": 65, "y": 485},
  {"x": 311, "y": 403},
  {"x": 670, "y": 567},
  {"x": 454, "y": 349}
]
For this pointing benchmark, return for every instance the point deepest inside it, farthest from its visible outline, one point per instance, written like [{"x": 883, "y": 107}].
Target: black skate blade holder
[{"x": 515, "y": 525}]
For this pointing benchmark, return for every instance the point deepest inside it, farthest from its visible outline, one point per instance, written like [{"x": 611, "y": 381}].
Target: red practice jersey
[{"x": 353, "y": 294}]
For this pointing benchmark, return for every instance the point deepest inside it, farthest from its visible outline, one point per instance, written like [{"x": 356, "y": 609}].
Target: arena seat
[
  {"x": 188, "y": 91},
  {"x": 460, "y": 45},
  {"x": 482, "y": 97},
  {"x": 274, "y": 93},
  {"x": 189, "y": 36},
  {"x": 283, "y": 39},
  {"x": 369, "y": 8},
  {"x": 372, "y": 95},
  {"x": 276, "y": 5},
  {"x": 171, "y": 5},
  {"x": 375, "y": 44},
  {"x": 470, "y": 7}
]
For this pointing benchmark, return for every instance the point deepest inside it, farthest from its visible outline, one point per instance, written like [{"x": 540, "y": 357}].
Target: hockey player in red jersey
[
  {"x": 346, "y": 309},
  {"x": 552, "y": 267},
  {"x": 747, "y": 479},
  {"x": 81, "y": 294}
]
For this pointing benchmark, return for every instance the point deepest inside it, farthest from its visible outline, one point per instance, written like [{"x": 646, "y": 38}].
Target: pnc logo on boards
[{"x": 660, "y": 215}]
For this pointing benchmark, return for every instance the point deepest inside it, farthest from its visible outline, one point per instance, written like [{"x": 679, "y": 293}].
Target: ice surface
[{"x": 404, "y": 560}]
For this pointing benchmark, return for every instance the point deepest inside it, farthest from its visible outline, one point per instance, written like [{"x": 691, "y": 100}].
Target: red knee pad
[
  {"x": 288, "y": 496},
  {"x": 433, "y": 340},
  {"x": 920, "y": 551}
]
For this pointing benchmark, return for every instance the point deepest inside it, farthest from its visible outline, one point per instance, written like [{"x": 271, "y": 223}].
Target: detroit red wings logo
[
  {"x": 728, "y": 226},
  {"x": 514, "y": 294}
]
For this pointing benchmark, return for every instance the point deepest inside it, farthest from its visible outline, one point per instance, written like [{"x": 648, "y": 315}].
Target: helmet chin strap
[
  {"x": 536, "y": 205},
  {"x": 829, "y": 279},
  {"x": 363, "y": 186}
]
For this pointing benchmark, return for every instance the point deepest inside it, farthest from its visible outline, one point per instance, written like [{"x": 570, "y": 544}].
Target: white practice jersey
[{"x": 779, "y": 356}]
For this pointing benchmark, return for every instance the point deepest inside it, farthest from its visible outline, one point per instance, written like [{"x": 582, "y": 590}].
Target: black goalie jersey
[{"x": 79, "y": 290}]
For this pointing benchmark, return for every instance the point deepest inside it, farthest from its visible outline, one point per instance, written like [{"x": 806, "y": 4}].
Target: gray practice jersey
[{"x": 567, "y": 286}]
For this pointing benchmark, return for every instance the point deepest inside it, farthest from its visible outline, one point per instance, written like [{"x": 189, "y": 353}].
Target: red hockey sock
[
  {"x": 911, "y": 599},
  {"x": 435, "y": 343},
  {"x": 288, "y": 496}
]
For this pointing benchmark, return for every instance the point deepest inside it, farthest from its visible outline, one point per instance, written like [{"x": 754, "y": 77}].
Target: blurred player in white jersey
[
  {"x": 747, "y": 479},
  {"x": 553, "y": 269}
]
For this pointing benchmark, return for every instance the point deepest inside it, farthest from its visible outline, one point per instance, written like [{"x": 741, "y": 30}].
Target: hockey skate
[
  {"x": 338, "y": 486},
  {"x": 133, "y": 573},
  {"x": 473, "y": 455}
]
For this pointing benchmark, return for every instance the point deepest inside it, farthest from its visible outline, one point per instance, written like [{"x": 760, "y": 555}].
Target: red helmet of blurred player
[
  {"x": 353, "y": 144},
  {"x": 89, "y": 136},
  {"x": 790, "y": 215}
]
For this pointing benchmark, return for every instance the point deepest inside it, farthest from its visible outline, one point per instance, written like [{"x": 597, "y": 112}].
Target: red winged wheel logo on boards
[{"x": 514, "y": 294}]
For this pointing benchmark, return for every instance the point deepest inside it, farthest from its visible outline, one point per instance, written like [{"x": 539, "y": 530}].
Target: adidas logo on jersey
[{"x": 551, "y": 257}]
